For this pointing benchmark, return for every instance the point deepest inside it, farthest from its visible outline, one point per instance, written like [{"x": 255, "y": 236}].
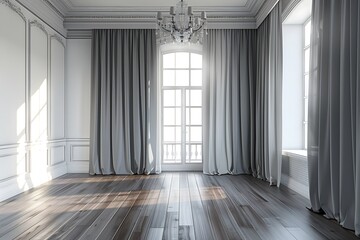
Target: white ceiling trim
[
  {"x": 264, "y": 11},
  {"x": 143, "y": 22},
  {"x": 133, "y": 18}
]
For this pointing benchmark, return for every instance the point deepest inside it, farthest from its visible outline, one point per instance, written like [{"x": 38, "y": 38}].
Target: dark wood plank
[
  {"x": 200, "y": 215},
  {"x": 166, "y": 206}
]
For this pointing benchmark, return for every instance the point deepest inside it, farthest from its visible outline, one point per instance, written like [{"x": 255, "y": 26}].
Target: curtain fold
[
  {"x": 229, "y": 77},
  {"x": 268, "y": 107},
  {"x": 334, "y": 111},
  {"x": 242, "y": 100},
  {"x": 123, "y": 102}
]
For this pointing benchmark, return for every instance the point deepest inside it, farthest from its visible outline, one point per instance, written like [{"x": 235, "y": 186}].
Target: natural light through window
[
  {"x": 307, "y": 33},
  {"x": 181, "y": 108}
]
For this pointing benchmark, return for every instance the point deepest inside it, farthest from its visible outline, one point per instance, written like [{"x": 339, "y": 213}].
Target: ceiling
[
  {"x": 103, "y": 7},
  {"x": 89, "y": 14}
]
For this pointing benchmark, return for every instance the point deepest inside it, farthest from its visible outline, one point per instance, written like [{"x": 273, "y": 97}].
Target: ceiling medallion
[{"x": 182, "y": 26}]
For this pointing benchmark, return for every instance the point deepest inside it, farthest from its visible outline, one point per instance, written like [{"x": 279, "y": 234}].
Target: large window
[
  {"x": 181, "y": 108},
  {"x": 306, "y": 62}
]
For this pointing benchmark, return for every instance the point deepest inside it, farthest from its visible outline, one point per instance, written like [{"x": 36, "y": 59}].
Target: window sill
[{"x": 299, "y": 154}]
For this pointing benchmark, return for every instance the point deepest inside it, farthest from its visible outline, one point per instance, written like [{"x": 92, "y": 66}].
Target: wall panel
[
  {"x": 57, "y": 53},
  {"x": 12, "y": 77},
  {"x": 38, "y": 83}
]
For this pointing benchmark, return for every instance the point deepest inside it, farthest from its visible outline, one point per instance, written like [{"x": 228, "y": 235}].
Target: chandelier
[{"x": 182, "y": 26}]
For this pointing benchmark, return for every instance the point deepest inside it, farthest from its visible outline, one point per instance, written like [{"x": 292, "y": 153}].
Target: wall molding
[
  {"x": 264, "y": 11},
  {"x": 23, "y": 182},
  {"x": 59, "y": 39},
  {"x": 44, "y": 13},
  {"x": 13, "y": 7},
  {"x": 39, "y": 25}
]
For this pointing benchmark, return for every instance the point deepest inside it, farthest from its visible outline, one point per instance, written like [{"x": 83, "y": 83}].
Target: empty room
[{"x": 174, "y": 119}]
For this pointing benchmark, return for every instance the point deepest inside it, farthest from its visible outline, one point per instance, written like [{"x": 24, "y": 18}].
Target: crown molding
[
  {"x": 132, "y": 17},
  {"x": 63, "y": 16},
  {"x": 144, "y": 22},
  {"x": 79, "y": 34},
  {"x": 289, "y": 8},
  {"x": 264, "y": 11},
  {"x": 42, "y": 10}
]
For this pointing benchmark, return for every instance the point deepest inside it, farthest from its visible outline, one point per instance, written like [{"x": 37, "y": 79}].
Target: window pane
[
  {"x": 196, "y": 60},
  {"x": 196, "y": 78},
  {"x": 196, "y": 116},
  {"x": 307, "y": 33},
  {"x": 195, "y": 134},
  {"x": 182, "y": 60},
  {"x": 182, "y": 77},
  {"x": 169, "y": 60},
  {"x": 187, "y": 116},
  {"x": 178, "y": 134},
  {"x": 169, "y": 116},
  {"x": 169, "y": 97},
  {"x": 307, "y": 60},
  {"x": 172, "y": 116},
  {"x": 178, "y": 98},
  {"x": 169, "y": 78},
  {"x": 195, "y": 98},
  {"x": 169, "y": 134},
  {"x": 306, "y": 85},
  {"x": 306, "y": 109}
]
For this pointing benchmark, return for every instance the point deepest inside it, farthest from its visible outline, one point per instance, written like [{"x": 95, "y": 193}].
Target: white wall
[
  {"x": 32, "y": 146},
  {"x": 78, "y": 79},
  {"x": 295, "y": 173},
  {"x": 292, "y": 87}
]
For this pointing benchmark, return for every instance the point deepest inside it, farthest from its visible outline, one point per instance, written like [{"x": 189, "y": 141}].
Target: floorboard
[{"x": 172, "y": 205}]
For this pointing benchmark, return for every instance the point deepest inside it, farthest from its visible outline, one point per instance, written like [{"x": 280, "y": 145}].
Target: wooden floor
[{"x": 166, "y": 206}]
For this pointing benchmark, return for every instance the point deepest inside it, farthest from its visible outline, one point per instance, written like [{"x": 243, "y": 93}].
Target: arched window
[{"x": 181, "y": 108}]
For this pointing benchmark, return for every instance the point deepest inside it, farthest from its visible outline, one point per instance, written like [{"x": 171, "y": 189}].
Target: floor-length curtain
[
  {"x": 268, "y": 113},
  {"x": 228, "y": 102},
  {"x": 334, "y": 111},
  {"x": 123, "y": 102}
]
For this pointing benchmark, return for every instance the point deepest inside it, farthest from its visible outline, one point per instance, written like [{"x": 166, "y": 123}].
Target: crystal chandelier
[{"x": 182, "y": 26}]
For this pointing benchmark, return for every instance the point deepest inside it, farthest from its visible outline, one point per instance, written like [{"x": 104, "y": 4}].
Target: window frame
[
  {"x": 166, "y": 49},
  {"x": 305, "y": 74}
]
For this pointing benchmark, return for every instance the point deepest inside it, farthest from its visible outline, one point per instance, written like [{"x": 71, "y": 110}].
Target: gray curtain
[
  {"x": 242, "y": 100},
  {"x": 229, "y": 99},
  {"x": 334, "y": 111},
  {"x": 268, "y": 113},
  {"x": 123, "y": 102}
]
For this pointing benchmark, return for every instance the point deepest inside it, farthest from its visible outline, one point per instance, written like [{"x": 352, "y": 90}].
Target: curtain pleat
[
  {"x": 268, "y": 107},
  {"x": 123, "y": 102},
  {"x": 242, "y": 100},
  {"x": 229, "y": 77},
  {"x": 334, "y": 111}
]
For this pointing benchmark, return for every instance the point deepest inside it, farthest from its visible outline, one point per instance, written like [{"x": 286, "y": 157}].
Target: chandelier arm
[
  {"x": 163, "y": 28},
  {"x": 199, "y": 28}
]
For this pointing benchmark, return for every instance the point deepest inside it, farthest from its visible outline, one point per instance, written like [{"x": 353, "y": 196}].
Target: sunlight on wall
[
  {"x": 39, "y": 128},
  {"x": 39, "y": 113}
]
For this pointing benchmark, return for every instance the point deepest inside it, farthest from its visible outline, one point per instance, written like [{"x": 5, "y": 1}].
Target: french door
[{"x": 181, "y": 126}]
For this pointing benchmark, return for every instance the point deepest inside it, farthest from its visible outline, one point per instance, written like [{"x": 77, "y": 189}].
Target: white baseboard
[
  {"x": 295, "y": 185},
  {"x": 78, "y": 167},
  {"x": 21, "y": 183}
]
